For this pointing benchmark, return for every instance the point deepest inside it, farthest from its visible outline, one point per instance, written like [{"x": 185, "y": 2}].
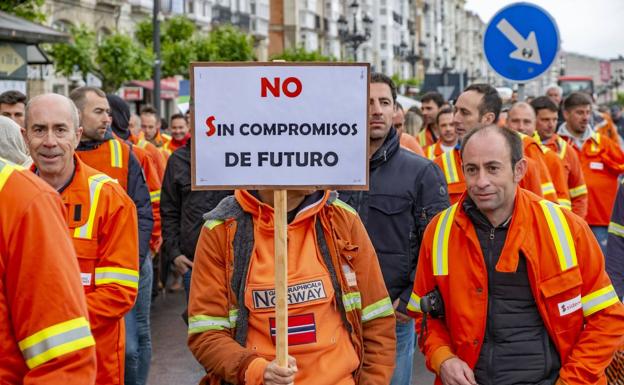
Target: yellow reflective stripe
[
  {"x": 233, "y": 318},
  {"x": 565, "y": 203},
  {"x": 6, "y": 169},
  {"x": 379, "y": 309},
  {"x": 577, "y": 191},
  {"x": 56, "y": 340},
  {"x": 352, "y": 301},
  {"x": 212, "y": 223},
  {"x": 563, "y": 147},
  {"x": 561, "y": 235},
  {"x": 595, "y": 144},
  {"x": 599, "y": 300},
  {"x": 142, "y": 143},
  {"x": 440, "y": 241},
  {"x": 422, "y": 137},
  {"x": 155, "y": 196},
  {"x": 450, "y": 170},
  {"x": 118, "y": 275},
  {"x": 202, "y": 323},
  {"x": 431, "y": 152},
  {"x": 616, "y": 229},
  {"x": 548, "y": 188},
  {"x": 344, "y": 206},
  {"x": 116, "y": 153},
  {"x": 96, "y": 182},
  {"x": 414, "y": 303}
]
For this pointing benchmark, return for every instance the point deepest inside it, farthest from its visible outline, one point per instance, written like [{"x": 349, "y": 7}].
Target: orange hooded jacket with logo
[
  {"x": 557, "y": 174},
  {"x": 573, "y": 173},
  {"x": 602, "y": 161},
  {"x": 102, "y": 222},
  {"x": 564, "y": 265},
  {"x": 45, "y": 336},
  {"x": 364, "y": 356}
]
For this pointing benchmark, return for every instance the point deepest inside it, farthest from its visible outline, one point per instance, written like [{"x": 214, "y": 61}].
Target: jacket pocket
[
  {"x": 562, "y": 299},
  {"x": 86, "y": 250}
]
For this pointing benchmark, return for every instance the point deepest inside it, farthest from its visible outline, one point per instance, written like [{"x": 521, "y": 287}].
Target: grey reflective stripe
[
  {"x": 561, "y": 237},
  {"x": 600, "y": 302},
  {"x": 203, "y": 323},
  {"x": 616, "y": 229},
  {"x": 382, "y": 308},
  {"x": 450, "y": 164},
  {"x": 54, "y": 341},
  {"x": 116, "y": 276},
  {"x": 414, "y": 304},
  {"x": 233, "y": 318}
]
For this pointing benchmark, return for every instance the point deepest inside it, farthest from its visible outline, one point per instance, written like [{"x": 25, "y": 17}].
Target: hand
[
  {"x": 182, "y": 264},
  {"x": 454, "y": 371},
  {"x": 400, "y": 317},
  {"x": 276, "y": 375}
]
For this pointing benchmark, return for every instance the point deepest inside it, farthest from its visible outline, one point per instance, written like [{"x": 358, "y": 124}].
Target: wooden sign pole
[{"x": 281, "y": 276}]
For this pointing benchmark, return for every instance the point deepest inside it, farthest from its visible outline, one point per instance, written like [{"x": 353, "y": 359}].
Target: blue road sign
[{"x": 521, "y": 42}]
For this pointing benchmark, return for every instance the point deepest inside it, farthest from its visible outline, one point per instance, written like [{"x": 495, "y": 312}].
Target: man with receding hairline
[
  {"x": 521, "y": 281},
  {"x": 102, "y": 222}
]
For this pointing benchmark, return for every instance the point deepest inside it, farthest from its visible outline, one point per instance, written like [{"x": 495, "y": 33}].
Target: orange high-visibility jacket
[
  {"x": 154, "y": 183},
  {"x": 557, "y": 174},
  {"x": 410, "y": 143},
  {"x": 364, "y": 303},
  {"x": 45, "y": 336},
  {"x": 573, "y": 173},
  {"x": 111, "y": 157},
  {"x": 102, "y": 221},
  {"x": 602, "y": 161},
  {"x": 434, "y": 150},
  {"x": 533, "y": 151},
  {"x": 160, "y": 140},
  {"x": 564, "y": 265},
  {"x": 451, "y": 165},
  {"x": 159, "y": 160},
  {"x": 426, "y": 137}
]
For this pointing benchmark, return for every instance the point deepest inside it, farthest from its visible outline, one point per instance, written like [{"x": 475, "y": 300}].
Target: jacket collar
[
  {"x": 389, "y": 147},
  {"x": 578, "y": 142}
]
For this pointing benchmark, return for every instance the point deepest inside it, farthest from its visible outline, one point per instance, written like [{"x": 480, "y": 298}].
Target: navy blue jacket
[
  {"x": 137, "y": 190},
  {"x": 614, "y": 257},
  {"x": 405, "y": 192}
]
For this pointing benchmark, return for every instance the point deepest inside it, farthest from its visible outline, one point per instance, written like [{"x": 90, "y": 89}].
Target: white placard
[{"x": 280, "y": 125}]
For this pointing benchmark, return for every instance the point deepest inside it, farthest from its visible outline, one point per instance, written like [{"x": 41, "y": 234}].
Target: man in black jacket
[
  {"x": 181, "y": 211},
  {"x": 405, "y": 192}
]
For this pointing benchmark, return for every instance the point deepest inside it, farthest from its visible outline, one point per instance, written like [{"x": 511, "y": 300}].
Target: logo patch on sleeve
[
  {"x": 301, "y": 329},
  {"x": 298, "y": 293},
  {"x": 570, "y": 306}
]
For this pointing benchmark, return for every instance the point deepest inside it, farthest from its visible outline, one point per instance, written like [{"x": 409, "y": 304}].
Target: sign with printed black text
[{"x": 280, "y": 125}]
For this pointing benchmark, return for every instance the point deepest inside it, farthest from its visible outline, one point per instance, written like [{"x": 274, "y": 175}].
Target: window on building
[
  {"x": 190, "y": 7},
  {"x": 383, "y": 66},
  {"x": 384, "y": 32},
  {"x": 62, "y": 25},
  {"x": 101, "y": 34}
]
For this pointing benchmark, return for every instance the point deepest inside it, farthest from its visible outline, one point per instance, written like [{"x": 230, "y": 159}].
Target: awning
[
  {"x": 18, "y": 30},
  {"x": 149, "y": 84}
]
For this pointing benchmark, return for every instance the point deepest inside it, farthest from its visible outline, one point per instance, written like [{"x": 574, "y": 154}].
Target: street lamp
[{"x": 349, "y": 33}]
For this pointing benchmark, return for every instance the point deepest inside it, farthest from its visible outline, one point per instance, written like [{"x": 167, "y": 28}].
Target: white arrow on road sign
[{"x": 526, "y": 49}]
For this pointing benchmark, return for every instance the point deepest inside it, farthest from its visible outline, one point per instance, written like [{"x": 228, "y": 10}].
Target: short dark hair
[
  {"x": 433, "y": 96},
  {"x": 512, "y": 139},
  {"x": 544, "y": 103},
  {"x": 177, "y": 116},
  {"x": 148, "y": 109},
  {"x": 491, "y": 101},
  {"x": 576, "y": 99},
  {"x": 79, "y": 95},
  {"x": 377, "y": 77},
  {"x": 12, "y": 97},
  {"x": 443, "y": 110}
]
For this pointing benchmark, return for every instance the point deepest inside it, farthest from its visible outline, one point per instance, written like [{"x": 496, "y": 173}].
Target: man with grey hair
[
  {"x": 102, "y": 222},
  {"x": 555, "y": 93}
]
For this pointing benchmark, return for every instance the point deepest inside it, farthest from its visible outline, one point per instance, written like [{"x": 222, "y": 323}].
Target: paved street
[{"x": 172, "y": 362}]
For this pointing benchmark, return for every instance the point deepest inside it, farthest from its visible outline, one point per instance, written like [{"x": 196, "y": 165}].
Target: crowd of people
[{"x": 491, "y": 237}]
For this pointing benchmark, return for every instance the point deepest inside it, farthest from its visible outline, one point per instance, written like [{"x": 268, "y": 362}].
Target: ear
[
  {"x": 488, "y": 118},
  {"x": 520, "y": 170},
  {"x": 78, "y": 135},
  {"x": 565, "y": 115},
  {"x": 23, "y": 131}
]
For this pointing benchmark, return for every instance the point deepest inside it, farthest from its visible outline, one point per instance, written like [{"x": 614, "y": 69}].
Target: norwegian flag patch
[{"x": 301, "y": 329}]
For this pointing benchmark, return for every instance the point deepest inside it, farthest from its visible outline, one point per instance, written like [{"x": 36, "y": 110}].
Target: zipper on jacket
[{"x": 490, "y": 365}]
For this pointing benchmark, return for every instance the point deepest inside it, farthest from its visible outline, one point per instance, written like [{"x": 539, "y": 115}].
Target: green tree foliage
[
  {"x": 224, "y": 43},
  {"x": 143, "y": 32},
  {"x": 26, "y": 9},
  {"x": 119, "y": 59},
  {"x": 177, "y": 29},
  {"x": 299, "y": 54},
  {"x": 77, "y": 55}
]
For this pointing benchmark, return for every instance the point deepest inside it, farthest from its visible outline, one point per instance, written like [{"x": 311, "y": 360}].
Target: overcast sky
[{"x": 590, "y": 27}]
